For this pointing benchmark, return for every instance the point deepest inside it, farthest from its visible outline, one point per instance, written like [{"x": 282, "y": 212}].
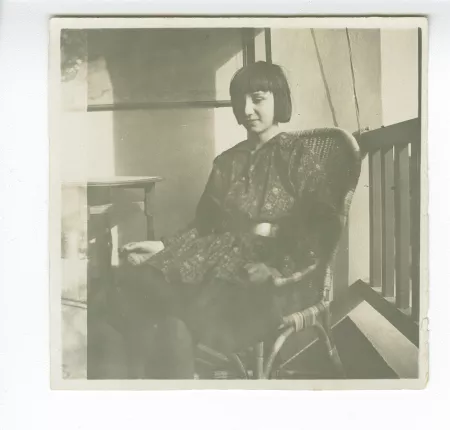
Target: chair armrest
[
  {"x": 280, "y": 281},
  {"x": 305, "y": 318}
]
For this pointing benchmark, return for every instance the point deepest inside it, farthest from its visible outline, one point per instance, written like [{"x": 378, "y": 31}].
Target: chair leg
[
  {"x": 238, "y": 365},
  {"x": 325, "y": 335},
  {"x": 259, "y": 360},
  {"x": 334, "y": 355},
  {"x": 279, "y": 342}
]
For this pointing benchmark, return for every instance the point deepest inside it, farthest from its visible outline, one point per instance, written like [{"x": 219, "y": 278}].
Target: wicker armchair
[{"x": 338, "y": 151}]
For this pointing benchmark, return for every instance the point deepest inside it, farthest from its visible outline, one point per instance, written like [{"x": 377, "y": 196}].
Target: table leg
[
  {"x": 149, "y": 208},
  {"x": 100, "y": 280},
  {"x": 259, "y": 360}
]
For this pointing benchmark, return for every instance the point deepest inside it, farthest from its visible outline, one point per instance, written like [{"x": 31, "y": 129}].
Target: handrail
[
  {"x": 389, "y": 136},
  {"x": 394, "y": 195}
]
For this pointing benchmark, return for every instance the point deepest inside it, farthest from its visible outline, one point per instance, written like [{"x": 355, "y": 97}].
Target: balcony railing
[{"x": 394, "y": 182}]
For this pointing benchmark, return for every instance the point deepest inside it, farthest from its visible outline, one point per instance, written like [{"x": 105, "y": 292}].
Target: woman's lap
[{"x": 224, "y": 316}]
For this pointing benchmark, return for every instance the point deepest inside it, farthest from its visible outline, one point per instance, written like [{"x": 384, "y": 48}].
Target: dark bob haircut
[{"x": 261, "y": 76}]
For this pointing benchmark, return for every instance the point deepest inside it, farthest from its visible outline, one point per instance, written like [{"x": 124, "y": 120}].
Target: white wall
[
  {"x": 180, "y": 145},
  {"x": 399, "y": 102},
  {"x": 399, "y": 75},
  {"x": 311, "y": 109},
  {"x": 177, "y": 144}
]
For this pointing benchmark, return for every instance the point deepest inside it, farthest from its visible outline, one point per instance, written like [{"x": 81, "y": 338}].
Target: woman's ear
[{"x": 237, "y": 117}]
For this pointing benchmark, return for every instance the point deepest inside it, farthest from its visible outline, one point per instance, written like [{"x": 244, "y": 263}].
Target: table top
[{"x": 117, "y": 181}]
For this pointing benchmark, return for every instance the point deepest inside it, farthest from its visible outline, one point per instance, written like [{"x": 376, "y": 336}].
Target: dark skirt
[{"x": 219, "y": 314}]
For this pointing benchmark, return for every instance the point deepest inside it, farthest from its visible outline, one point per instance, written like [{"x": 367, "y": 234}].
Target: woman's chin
[{"x": 253, "y": 129}]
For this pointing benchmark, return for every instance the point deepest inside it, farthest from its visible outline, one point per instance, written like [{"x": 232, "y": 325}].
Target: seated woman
[{"x": 266, "y": 212}]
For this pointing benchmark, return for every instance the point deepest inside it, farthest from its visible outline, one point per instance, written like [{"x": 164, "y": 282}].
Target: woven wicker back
[{"x": 339, "y": 155}]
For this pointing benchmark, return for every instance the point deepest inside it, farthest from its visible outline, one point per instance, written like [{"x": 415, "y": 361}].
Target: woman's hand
[
  {"x": 259, "y": 273},
  {"x": 137, "y": 253}
]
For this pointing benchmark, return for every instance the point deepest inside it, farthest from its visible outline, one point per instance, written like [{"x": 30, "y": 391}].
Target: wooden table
[
  {"x": 94, "y": 200},
  {"x": 99, "y": 195},
  {"x": 90, "y": 206},
  {"x": 99, "y": 201}
]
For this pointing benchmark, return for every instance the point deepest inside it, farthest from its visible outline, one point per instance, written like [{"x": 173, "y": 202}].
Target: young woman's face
[{"x": 259, "y": 111}]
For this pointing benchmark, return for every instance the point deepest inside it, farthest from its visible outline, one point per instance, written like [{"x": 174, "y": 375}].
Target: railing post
[
  {"x": 415, "y": 230},
  {"x": 375, "y": 195},
  {"x": 388, "y": 223},
  {"x": 402, "y": 227}
]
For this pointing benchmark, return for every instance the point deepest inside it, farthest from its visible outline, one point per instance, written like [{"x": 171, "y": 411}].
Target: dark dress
[{"x": 200, "y": 274}]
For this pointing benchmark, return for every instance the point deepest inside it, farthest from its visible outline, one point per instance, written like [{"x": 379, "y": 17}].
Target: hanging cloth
[
  {"x": 352, "y": 69},
  {"x": 325, "y": 82},
  {"x": 324, "y": 79}
]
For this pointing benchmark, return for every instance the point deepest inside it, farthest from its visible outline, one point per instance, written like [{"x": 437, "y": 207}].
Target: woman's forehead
[{"x": 259, "y": 92}]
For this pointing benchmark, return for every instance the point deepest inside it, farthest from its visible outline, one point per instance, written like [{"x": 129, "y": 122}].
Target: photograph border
[{"x": 58, "y": 23}]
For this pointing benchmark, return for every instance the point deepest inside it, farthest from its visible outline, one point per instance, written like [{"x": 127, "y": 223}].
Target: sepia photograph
[{"x": 238, "y": 203}]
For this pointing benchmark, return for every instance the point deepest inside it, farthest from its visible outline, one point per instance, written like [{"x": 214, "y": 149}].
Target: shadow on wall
[
  {"x": 160, "y": 65},
  {"x": 157, "y": 66},
  {"x": 311, "y": 108}
]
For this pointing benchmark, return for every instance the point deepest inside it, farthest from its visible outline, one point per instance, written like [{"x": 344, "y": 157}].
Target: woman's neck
[{"x": 266, "y": 135}]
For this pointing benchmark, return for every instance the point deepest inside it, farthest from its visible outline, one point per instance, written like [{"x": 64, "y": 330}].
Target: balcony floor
[{"x": 359, "y": 357}]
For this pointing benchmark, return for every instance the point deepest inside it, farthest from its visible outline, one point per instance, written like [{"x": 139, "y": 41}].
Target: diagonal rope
[
  {"x": 324, "y": 79},
  {"x": 355, "y": 97}
]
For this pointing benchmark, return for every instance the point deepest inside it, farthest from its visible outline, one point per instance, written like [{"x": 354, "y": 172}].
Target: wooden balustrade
[{"x": 394, "y": 179}]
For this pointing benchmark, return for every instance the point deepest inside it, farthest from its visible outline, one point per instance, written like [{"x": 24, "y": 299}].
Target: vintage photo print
[{"x": 238, "y": 203}]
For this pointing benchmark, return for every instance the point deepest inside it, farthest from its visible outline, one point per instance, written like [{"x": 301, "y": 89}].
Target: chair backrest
[{"x": 339, "y": 154}]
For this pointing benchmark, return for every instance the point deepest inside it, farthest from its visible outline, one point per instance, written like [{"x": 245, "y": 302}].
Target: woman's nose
[{"x": 248, "y": 108}]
